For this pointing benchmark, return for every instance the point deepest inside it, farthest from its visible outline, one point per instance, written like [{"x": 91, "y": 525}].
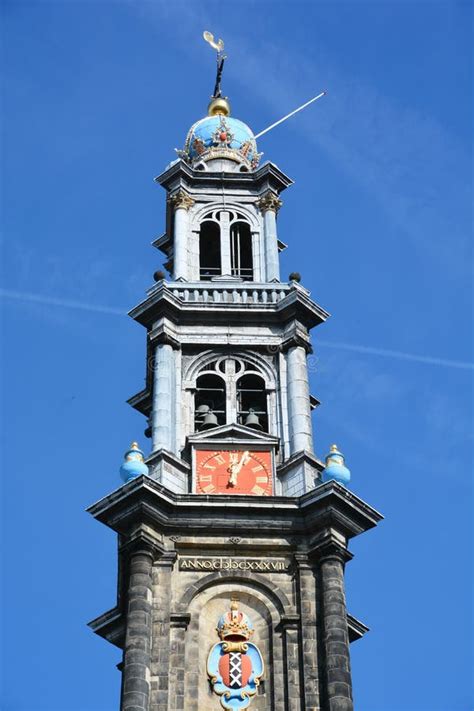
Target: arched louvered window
[
  {"x": 210, "y": 401},
  {"x": 209, "y": 250},
  {"x": 252, "y": 408},
  {"x": 231, "y": 389},
  {"x": 241, "y": 250}
]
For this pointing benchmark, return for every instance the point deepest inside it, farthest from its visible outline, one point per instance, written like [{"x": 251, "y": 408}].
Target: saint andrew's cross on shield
[
  {"x": 235, "y": 666},
  {"x": 235, "y": 669}
]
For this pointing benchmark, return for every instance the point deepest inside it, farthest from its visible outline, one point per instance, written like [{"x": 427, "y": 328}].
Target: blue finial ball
[
  {"x": 133, "y": 464},
  {"x": 335, "y": 469}
]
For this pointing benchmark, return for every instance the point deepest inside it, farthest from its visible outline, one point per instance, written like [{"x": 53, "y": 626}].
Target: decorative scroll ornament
[
  {"x": 181, "y": 199},
  {"x": 269, "y": 201},
  {"x": 235, "y": 665}
]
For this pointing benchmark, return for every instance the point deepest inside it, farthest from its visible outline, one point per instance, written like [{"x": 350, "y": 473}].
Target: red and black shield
[{"x": 235, "y": 669}]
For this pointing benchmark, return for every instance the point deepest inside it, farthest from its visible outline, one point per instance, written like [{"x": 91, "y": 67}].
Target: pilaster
[
  {"x": 181, "y": 202},
  {"x": 332, "y": 556},
  {"x": 160, "y": 655},
  {"x": 291, "y": 658},
  {"x": 269, "y": 204},
  {"x": 301, "y": 434},
  {"x": 308, "y": 649},
  {"x": 163, "y": 420},
  {"x": 138, "y": 635}
]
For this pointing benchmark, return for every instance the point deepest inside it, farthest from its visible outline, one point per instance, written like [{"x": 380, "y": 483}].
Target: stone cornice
[
  {"x": 145, "y": 500},
  {"x": 111, "y": 625},
  {"x": 329, "y": 545},
  {"x": 297, "y": 339},
  {"x": 356, "y": 628},
  {"x": 141, "y": 542},
  {"x": 164, "y": 301},
  {"x": 160, "y": 335},
  {"x": 181, "y": 175},
  {"x": 140, "y": 539}
]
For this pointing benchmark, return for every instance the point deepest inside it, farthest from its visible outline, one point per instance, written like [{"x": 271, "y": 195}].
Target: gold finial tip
[
  {"x": 334, "y": 448},
  {"x": 217, "y": 106},
  {"x": 134, "y": 445},
  {"x": 234, "y": 604}
]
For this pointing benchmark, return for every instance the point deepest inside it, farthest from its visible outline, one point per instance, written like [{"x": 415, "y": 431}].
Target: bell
[
  {"x": 210, "y": 420},
  {"x": 252, "y": 420},
  {"x": 202, "y": 409}
]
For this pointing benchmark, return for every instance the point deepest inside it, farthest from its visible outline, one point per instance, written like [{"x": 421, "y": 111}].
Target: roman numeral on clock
[{"x": 209, "y": 488}]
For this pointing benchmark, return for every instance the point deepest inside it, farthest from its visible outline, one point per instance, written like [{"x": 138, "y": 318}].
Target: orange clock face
[{"x": 234, "y": 472}]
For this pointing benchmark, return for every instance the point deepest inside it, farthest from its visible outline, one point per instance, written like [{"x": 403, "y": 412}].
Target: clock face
[{"x": 233, "y": 471}]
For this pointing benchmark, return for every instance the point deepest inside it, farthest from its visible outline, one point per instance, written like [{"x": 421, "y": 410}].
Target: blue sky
[{"x": 96, "y": 96}]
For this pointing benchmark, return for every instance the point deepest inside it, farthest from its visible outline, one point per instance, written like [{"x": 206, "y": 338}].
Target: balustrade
[{"x": 198, "y": 292}]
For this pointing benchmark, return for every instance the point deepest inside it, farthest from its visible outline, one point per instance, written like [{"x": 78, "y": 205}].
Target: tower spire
[{"x": 206, "y": 520}]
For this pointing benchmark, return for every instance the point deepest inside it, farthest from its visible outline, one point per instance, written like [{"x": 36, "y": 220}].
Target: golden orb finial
[
  {"x": 334, "y": 448},
  {"x": 218, "y": 106},
  {"x": 234, "y": 604},
  {"x": 134, "y": 445}
]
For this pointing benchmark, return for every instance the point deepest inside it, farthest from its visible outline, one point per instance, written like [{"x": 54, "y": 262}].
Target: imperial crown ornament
[{"x": 235, "y": 665}]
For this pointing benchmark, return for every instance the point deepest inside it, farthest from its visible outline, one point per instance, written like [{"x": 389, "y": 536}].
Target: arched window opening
[
  {"x": 209, "y": 402},
  {"x": 241, "y": 250},
  {"x": 209, "y": 250},
  {"x": 252, "y": 402}
]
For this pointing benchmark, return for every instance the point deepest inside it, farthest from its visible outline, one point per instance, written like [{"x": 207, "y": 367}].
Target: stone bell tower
[{"x": 232, "y": 534}]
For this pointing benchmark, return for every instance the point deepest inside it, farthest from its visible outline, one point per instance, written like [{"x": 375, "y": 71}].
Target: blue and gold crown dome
[
  {"x": 219, "y": 135},
  {"x": 335, "y": 469},
  {"x": 133, "y": 464}
]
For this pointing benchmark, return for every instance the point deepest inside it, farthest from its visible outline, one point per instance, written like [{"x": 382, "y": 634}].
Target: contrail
[
  {"x": 97, "y": 308},
  {"x": 396, "y": 354},
  {"x": 66, "y": 303}
]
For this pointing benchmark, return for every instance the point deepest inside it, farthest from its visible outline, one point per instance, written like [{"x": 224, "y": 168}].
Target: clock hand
[
  {"x": 232, "y": 468},
  {"x": 235, "y": 467}
]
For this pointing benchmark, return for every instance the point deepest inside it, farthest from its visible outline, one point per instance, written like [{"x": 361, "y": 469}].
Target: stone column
[
  {"x": 309, "y": 642},
  {"x": 181, "y": 202},
  {"x": 299, "y": 411},
  {"x": 335, "y": 632},
  {"x": 137, "y": 651},
  {"x": 269, "y": 204},
  {"x": 160, "y": 656},
  {"x": 226, "y": 260},
  {"x": 163, "y": 398}
]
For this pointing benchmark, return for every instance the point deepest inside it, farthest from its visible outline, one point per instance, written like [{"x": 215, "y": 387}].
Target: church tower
[{"x": 232, "y": 534}]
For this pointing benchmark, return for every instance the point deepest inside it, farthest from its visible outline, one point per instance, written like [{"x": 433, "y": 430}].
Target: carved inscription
[{"x": 218, "y": 563}]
